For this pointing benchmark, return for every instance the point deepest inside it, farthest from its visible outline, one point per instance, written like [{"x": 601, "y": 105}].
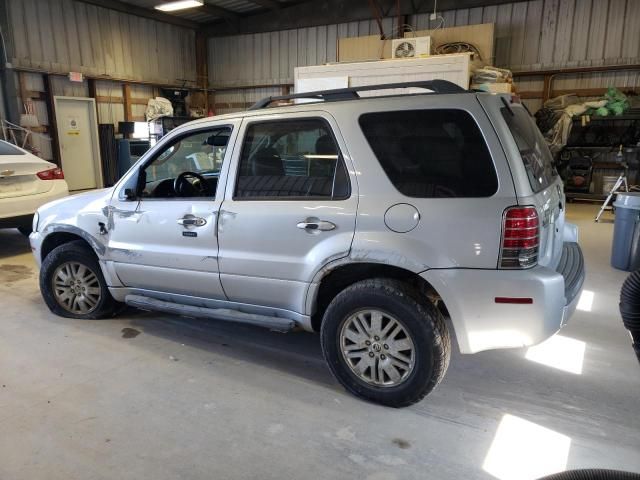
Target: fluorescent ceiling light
[
  {"x": 179, "y": 5},
  {"x": 559, "y": 352},
  {"x": 522, "y": 450}
]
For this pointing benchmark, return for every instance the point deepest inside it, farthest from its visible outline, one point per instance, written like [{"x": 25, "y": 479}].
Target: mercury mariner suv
[{"x": 387, "y": 222}]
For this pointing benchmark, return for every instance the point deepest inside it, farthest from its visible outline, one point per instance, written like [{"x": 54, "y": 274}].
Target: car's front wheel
[
  {"x": 385, "y": 342},
  {"x": 72, "y": 283}
]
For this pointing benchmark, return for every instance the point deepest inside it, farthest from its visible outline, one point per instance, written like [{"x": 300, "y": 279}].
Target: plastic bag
[{"x": 158, "y": 107}]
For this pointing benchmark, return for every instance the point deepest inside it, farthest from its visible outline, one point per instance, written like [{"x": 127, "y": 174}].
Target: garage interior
[{"x": 150, "y": 395}]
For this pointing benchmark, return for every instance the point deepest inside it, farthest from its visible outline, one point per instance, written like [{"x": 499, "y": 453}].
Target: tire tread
[
  {"x": 427, "y": 312},
  {"x": 75, "y": 250}
]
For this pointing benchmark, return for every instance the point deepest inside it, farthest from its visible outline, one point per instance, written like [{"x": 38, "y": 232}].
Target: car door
[
  {"x": 162, "y": 235},
  {"x": 290, "y": 208}
]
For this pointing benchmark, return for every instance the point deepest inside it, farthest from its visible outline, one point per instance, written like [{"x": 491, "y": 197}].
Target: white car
[{"x": 26, "y": 183}]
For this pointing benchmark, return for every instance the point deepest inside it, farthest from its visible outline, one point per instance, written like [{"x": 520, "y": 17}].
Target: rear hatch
[
  {"x": 536, "y": 180},
  {"x": 18, "y": 172}
]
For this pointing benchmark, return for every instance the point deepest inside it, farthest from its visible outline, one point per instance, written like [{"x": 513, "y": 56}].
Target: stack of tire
[{"x": 630, "y": 308}]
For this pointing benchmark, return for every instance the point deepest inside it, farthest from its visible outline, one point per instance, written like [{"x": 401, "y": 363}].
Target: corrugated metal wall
[
  {"x": 269, "y": 58},
  {"x": 64, "y": 35},
  {"x": 108, "y": 111},
  {"x": 530, "y": 35},
  {"x": 228, "y": 101}
]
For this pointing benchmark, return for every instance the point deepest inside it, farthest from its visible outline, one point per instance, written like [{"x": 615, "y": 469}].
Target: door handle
[
  {"x": 313, "y": 224},
  {"x": 191, "y": 221}
]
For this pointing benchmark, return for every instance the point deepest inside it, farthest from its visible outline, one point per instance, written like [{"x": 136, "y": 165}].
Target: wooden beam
[
  {"x": 234, "y": 105},
  {"x": 108, "y": 99},
  {"x": 202, "y": 61},
  {"x": 546, "y": 88},
  {"x": 93, "y": 90},
  {"x": 565, "y": 71},
  {"x": 110, "y": 78},
  {"x": 35, "y": 95},
  {"x": 249, "y": 86},
  {"x": 53, "y": 124},
  {"x": 128, "y": 114},
  {"x": 111, "y": 99},
  {"x": 202, "y": 67},
  {"x": 580, "y": 92},
  {"x": 144, "y": 12},
  {"x": 24, "y": 96},
  {"x": 126, "y": 93}
]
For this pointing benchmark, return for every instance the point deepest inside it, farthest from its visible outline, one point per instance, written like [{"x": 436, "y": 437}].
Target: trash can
[{"x": 625, "y": 252}]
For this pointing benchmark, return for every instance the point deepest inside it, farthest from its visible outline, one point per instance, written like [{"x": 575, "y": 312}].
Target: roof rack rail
[{"x": 336, "y": 95}]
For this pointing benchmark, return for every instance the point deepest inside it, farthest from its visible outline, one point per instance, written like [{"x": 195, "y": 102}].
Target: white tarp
[{"x": 158, "y": 107}]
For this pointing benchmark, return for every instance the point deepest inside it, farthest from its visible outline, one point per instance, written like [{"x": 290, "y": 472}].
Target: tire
[
  {"x": 424, "y": 329},
  {"x": 69, "y": 258},
  {"x": 26, "y": 231}
]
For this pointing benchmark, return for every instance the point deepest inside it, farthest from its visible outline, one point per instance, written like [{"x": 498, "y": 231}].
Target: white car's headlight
[{"x": 34, "y": 225}]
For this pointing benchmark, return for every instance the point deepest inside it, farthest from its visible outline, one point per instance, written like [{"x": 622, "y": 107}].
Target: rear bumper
[
  {"x": 482, "y": 324},
  {"x": 16, "y": 207}
]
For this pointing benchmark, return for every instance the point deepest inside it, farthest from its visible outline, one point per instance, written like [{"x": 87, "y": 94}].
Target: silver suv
[{"x": 386, "y": 223}]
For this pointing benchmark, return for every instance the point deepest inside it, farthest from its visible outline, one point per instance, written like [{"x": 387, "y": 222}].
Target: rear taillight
[
  {"x": 53, "y": 174},
  {"x": 520, "y": 238}
]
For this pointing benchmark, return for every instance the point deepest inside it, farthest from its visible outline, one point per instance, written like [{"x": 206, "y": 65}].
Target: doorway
[{"x": 78, "y": 139}]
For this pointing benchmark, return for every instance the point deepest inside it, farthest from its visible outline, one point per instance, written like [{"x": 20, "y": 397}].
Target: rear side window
[
  {"x": 436, "y": 153},
  {"x": 534, "y": 151},
  {"x": 291, "y": 159}
]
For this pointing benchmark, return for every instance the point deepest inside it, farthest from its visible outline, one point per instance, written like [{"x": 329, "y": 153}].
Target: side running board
[{"x": 152, "y": 304}]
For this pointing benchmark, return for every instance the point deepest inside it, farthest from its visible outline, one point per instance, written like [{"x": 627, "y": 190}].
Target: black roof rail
[{"x": 336, "y": 95}]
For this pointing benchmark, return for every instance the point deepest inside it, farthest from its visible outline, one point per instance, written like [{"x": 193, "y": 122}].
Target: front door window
[{"x": 188, "y": 167}]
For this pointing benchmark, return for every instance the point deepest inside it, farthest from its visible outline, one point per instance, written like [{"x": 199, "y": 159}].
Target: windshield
[{"x": 534, "y": 151}]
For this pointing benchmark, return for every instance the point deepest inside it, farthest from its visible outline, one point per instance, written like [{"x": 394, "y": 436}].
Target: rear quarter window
[
  {"x": 8, "y": 149},
  {"x": 435, "y": 153},
  {"x": 533, "y": 149}
]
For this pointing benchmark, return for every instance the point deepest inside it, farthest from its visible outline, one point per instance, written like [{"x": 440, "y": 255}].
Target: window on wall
[
  {"x": 291, "y": 159},
  {"x": 432, "y": 153}
]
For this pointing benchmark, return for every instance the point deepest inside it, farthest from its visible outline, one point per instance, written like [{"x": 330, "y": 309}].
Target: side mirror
[
  {"x": 141, "y": 182},
  {"x": 130, "y": 194}
]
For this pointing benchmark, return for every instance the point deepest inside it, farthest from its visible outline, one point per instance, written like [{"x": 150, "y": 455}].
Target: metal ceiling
[
  {"x": 216, "y": 10},
  {"x": 231, "y": 17}
]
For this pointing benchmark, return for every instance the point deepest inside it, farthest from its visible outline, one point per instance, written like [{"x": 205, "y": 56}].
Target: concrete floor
[{"x": 200, "y": 399}]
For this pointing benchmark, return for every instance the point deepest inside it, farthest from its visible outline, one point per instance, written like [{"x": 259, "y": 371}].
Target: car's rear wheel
[
  {"x": 72, "y": 283},
  {"x": 385, "y": 342}
]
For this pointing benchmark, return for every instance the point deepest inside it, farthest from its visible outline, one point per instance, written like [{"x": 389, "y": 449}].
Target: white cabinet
[{"x": 456, "y": 68}]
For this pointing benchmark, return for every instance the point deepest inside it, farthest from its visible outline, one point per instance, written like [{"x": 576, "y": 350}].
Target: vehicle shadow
[
  {"x": 295, "y": 353},
  {"x": 13, "y": 243}
]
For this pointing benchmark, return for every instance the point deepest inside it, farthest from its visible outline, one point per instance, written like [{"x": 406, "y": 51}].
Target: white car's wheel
[{"x": 72, "y": 283}]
